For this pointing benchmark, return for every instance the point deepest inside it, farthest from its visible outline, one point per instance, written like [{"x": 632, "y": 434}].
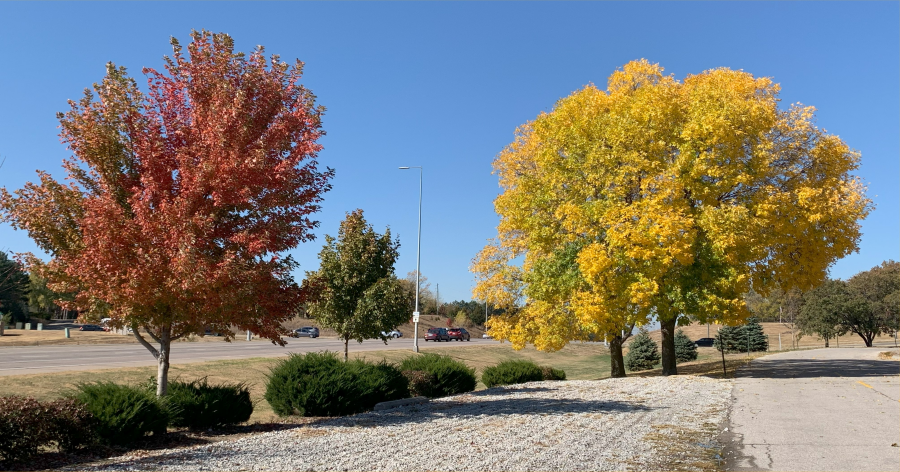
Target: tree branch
[
  {"x": 137, "y": 335},
  {"x": 150, "y": 332}
]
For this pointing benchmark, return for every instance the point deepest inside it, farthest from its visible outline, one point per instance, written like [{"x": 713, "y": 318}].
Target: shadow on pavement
[{"x": 808, "y": 368}]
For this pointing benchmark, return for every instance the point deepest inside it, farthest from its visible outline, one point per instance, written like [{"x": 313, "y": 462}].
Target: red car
[
  {"x": 437, "y": 335},
  {"x": 459, "y": 334}
]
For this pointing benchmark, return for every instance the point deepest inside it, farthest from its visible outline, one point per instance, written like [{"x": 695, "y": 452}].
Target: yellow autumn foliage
[{"x": 666, "y": 198}]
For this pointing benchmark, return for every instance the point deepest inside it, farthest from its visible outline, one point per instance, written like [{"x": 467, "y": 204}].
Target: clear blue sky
[{"x": 444, "y": 85}]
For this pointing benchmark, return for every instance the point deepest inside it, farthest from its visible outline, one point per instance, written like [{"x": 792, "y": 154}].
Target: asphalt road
[
  {"x": 43, "y": 359},
  {"x": 819, "y": 410}
]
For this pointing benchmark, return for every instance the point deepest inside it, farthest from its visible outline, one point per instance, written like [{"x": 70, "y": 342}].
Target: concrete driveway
[{"x": 834, "y": 409}]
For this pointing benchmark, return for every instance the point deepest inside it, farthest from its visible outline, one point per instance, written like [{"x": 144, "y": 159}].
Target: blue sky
[{"x": 444, "y": 85}]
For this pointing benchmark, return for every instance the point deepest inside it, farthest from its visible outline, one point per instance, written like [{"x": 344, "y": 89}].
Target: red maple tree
[{"x": 180, "y": 200}]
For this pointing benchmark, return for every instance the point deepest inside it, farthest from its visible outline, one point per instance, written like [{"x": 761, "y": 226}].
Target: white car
[
  {"x": 486, "y": 336},
  {"x": 392, "y": 334}
]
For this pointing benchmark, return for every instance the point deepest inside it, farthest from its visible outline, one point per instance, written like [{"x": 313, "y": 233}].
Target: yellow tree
[{"x": 663, "y": 198}]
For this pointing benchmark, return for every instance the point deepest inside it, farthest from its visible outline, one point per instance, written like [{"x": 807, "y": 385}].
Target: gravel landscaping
[{"x": 614, "y": 424}]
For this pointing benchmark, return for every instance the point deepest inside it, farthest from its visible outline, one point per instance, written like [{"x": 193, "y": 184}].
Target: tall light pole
[{"x": 418, "y": 257}]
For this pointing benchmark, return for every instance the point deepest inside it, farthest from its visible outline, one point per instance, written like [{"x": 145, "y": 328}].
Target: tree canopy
[
  {"x": 356, "y": 291},
  {"x": 182, "y": 198},
  {"x": 663, "y": 198}
]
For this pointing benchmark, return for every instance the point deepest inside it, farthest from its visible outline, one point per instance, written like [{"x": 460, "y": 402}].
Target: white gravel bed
[{"x": 612, "y": 424}]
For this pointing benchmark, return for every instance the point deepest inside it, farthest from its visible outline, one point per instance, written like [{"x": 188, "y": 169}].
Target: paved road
[
  {"x": 42, "y": 359},
  {"x": 818, "y": 410}
]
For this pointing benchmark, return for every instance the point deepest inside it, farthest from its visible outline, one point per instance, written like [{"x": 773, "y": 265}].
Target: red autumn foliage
[{"x": 183, "y": 198}]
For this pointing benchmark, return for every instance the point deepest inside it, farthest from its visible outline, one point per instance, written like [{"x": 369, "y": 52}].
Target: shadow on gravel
[
  {"x": 463, "y": 410},
  {"x": 808, "y": 368}
]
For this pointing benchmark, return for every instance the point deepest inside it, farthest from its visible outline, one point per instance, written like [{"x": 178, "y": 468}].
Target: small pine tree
[
  {"x": 643, "y": 353},
  {"x": 685, "y": 349},
  {"x": 758, "y": 341},
  {"x": 730, "y": 339}
]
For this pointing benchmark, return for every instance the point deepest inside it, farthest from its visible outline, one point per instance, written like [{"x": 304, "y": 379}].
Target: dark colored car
[
  {"x": 704, "y": 342},
  {"x": 91, "y": 328},
  {"x": 459, "y": 334},
  {"x": 306, "y": 332},
  {"x": 437, "y": 335}
]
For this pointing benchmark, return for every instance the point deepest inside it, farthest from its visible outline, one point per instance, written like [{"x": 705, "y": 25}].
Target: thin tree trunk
[
  {"x": 724, "y": 370},
  {"x": 616, "y": 360},
  {"x": 162, "y": 366},
  {"x": 667, "y": 328},
  {"x": 346, "y": 343}
]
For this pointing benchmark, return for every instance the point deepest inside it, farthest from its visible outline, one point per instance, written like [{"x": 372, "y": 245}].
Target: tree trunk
[
  {"x": 162, "y": 366},
  {"x": 667, "y": 328},
  {"x": 616, "y": 360},
  {"x": 724, "y": 370},
  {"x": 826, "y": 342},
  {"x": 869, "y": 339},
  {"x": 346, "y": 343}
]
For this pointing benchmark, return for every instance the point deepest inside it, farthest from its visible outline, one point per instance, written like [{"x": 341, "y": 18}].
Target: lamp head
[{"x": 405, "y": 167}]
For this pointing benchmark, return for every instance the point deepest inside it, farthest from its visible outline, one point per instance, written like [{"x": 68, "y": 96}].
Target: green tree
[
  {"x": 728, "y": 339},
  {"x": 823, "y": 309},
  {"x": 355, "y": 291},
  {"x": 875, "y": 300},
  {"x": 685, "y": 349},
  {"x": 643, "y": 353},
  {"x": 13, "y": 288},
  {"x": 753, "y": 336}
]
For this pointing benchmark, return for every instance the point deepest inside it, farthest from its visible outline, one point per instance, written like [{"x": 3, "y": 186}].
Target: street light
[{"x": 418, "y": 255}]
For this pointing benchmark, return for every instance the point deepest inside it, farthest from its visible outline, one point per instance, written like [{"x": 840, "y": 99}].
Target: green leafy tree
[
  {"x": 823, "y": 309},
  {"x": 13, "y": 288},
  {"x": 875, "y": 300},
  {"x": 355, "y": 291},
  {"x": 685, "y": 349},
  {"x": 643, "y": 353}
]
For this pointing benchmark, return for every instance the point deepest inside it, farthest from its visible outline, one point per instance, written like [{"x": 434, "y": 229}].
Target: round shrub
[
  {"x": 197, "y": 404},
  {"x": 448, "y": 376},
  {"x": 124, "y": 413},
  {"x": 685, "y": 349},
  {"x": 320, "y": 384},
  {"x": 643, "y": 353},
  {"x": 511, "y": 372}
]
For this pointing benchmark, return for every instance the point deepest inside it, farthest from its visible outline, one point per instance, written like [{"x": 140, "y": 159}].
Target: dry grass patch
[{"x": 888, "y": 356}]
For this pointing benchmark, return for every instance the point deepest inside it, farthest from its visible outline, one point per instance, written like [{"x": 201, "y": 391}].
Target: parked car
[
  {"x": 392, "y": 334},
  {"x": 437, "y": 335},
  {"x": 306, "y": 332},
  {"x": 486, "y": 336},
  {"x": 91, "y": 327},
  {"x": 704, "y": 342},
  {"x": 459, "y": 334}
]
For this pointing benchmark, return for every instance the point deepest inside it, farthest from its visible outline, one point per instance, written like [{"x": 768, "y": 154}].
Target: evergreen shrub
[
  {"x": 643, "y": 353},
  {"x": 199, "y": 405},
  {"x": 511, "y": 372},
  {"x": 685, "y": 349},
  {"x": 124, "y": 413},
  {"x": 320, "y": 384},
  {"x": 448, "y": 376}
]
